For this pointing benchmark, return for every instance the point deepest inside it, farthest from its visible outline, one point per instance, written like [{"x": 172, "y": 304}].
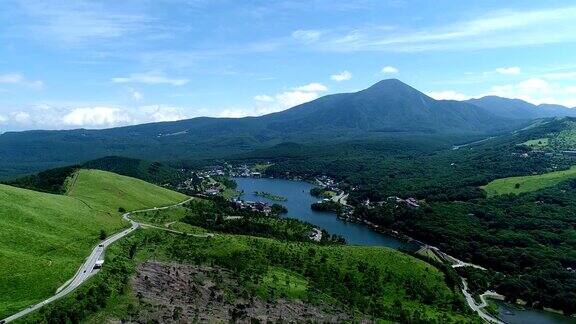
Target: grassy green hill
[
  {"x": 108, "y": 191},
  {"x": 45, "y": 237},
  {"x": 516, "y": 185}
]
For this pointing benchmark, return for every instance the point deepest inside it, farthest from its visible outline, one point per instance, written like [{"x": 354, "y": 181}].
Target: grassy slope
[
  {"x": 528, "y": 183},
  {"x": 45, "y": 237},
  {"x": 108, "y": 191}
]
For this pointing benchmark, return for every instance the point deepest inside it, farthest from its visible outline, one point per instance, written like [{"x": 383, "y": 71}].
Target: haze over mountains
[{"x": 388, "y": 108}]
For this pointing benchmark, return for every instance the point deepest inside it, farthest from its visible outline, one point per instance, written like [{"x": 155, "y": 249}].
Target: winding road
[
  {"x": 87, "y": 270},
  {"x": 479, "y": 308}
]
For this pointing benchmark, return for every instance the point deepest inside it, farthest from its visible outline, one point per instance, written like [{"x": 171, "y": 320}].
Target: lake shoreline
[{"x": 402, "y": 240}]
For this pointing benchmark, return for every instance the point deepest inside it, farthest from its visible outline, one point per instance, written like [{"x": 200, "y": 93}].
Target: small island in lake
[{"x": 270, "y": 196}]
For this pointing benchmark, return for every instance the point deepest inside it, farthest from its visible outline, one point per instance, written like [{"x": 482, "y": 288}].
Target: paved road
[
  {"x": 87, "y": 268},
  {"x": 478, "y": 308}
]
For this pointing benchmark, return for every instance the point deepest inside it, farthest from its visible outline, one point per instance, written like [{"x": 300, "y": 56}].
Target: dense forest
[
  {"x": 528, "y": 240},
  {"x": 406, "y": 167},
  {"x": 51, "y": 181},
  {"x": 154, "y": 172}
]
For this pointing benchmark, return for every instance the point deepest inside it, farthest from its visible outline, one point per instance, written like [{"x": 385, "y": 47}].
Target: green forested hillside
[
  {"x": 366, "y": 282},
  {"x": 528, "y": 238},
  {"x": 45, "y": 237},
  {"x": 424, "y": 168},
  {"x": 154, "y": 172},
  {"x": 389, "y": 108}
]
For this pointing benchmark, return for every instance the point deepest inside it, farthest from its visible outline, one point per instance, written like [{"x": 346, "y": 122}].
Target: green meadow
[
  {"x": 45, "y": 237},
  {"x": 109, "y": 191},
  {"x": 516, "y": 185},
  {"x": 537, "y": 143}
]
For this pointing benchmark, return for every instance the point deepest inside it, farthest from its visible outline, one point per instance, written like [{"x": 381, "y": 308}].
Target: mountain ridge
[
  {"x": 387, "y": 108},
  {"x": 519, "y": 109}
]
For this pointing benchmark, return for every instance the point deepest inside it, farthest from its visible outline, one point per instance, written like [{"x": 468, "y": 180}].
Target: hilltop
[{"x": 45, "y": 237}]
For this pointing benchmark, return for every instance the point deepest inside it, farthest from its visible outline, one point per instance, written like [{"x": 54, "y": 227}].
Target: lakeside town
[{"x": 216, "y": 181}]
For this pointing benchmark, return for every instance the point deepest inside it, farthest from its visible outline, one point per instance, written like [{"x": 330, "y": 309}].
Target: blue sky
[{"x": 96, "y": 64}]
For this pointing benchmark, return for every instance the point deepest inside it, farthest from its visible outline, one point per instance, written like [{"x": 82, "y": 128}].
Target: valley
[{"x": 292, "y": 161}]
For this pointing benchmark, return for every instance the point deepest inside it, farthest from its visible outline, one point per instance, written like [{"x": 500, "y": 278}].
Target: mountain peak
[
  {"x": 392, "y": 87},
  {"x": 389, "y": 83}
]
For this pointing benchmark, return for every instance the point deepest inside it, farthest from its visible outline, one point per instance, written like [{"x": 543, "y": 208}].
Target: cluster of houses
[
  {"x": 327, "y": 183},
  {"x": 245, "y": 172},
  {"x": 197, "y": 177},
  {"x": 213, "y": 190},
  {"x": 408, "y": 202},
  {"x": 255, "y": 206},
  {"x": 201, "y": 184}
]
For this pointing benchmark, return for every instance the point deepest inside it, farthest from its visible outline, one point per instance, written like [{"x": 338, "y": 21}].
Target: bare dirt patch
[{"x": 193, "y": 293}]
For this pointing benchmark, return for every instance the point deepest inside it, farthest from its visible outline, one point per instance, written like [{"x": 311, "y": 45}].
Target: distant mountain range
[
  {"x": 388, "y": 108},
  {"x": 520, "y": 109}
]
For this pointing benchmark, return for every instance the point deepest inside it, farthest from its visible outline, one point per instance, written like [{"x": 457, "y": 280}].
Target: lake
[{"x": 298, "y": 203}]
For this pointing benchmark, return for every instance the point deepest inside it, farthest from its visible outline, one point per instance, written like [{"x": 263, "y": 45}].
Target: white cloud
[
  {"x": 263, "y": 98},
  {"x": 509, "y": 70},
  {"x": 266, "y": 104},
  {"x": 447, "y": 95},
  {"x": 96, "y": 116},
  {"x": 153, "y": 77},
  {"x": 534, "y": 84},
  {"x": 21, "y": 117},
  {"x": 342, "y": 76},
  {"x": 565, "y": 75},
  {"x": 294, "y": 98},
  {"x": 18, "y": 79},
  {"x": 136, "y": 95},
  {"x": 161, "y": 113},
  {"x": 64, "y": 115},
  {"x": 389, "y": 69},
  {"x": 3, "y": 119},
  {"x": 537, "y": 91},
  {"x": 307, "y": 36},
  {"x": 76, "y": 22},
  {"x": 311, "y": 87},
  {"x": 235, "y": 113},
  {"x": 496, "y": 29}
]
